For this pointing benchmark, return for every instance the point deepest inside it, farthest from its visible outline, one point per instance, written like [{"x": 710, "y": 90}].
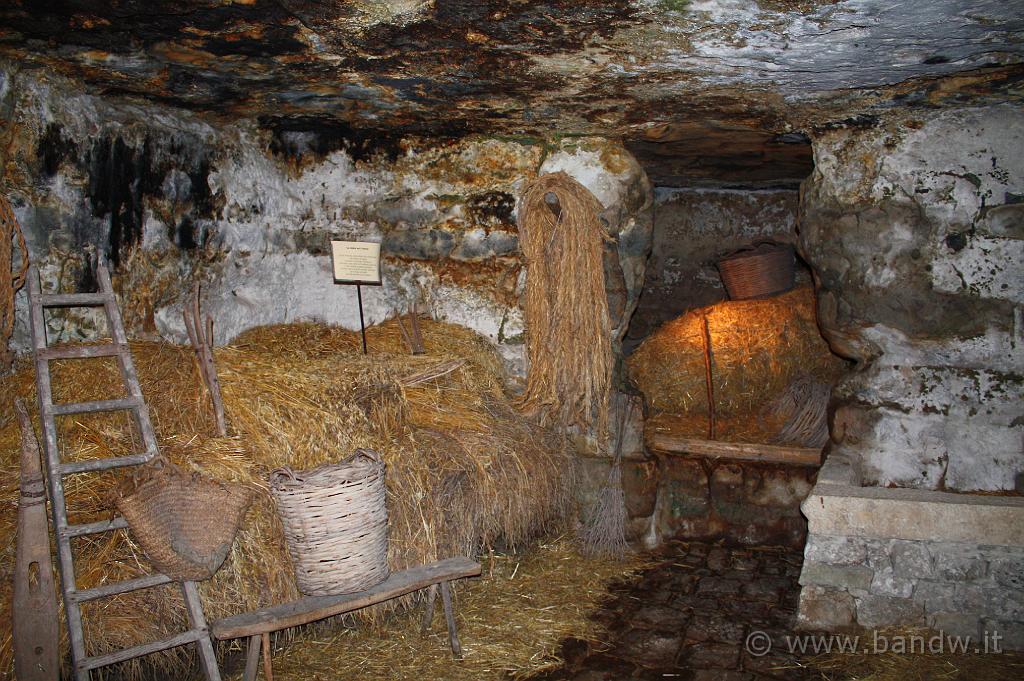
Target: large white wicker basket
[{"x": 335, "y": 523}]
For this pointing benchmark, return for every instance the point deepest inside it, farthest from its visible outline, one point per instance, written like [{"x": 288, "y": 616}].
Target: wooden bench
[{"x": 259, "y": 624}]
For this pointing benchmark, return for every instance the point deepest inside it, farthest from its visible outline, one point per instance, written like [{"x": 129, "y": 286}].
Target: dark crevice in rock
[
  {"x": 54, "y": 148},
  {"x": 124, "y": 177},
  {"x": 295, "y": 138}
]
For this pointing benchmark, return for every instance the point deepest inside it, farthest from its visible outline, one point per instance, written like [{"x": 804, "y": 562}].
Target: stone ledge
[{"x": 921, "y": 515}]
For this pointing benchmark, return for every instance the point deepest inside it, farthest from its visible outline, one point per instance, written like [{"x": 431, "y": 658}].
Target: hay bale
[
  {"x": 758, "y": 348},
  {"x": 464, "y": 468}
]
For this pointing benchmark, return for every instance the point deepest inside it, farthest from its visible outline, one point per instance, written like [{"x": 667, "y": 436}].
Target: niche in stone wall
[{"x": 720, "y": 370}]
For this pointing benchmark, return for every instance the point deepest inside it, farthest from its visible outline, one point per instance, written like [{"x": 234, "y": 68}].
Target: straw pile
[
  {"x": 464, "y": 469},
  {"x": 568, "y": 336},
  {"x": 511, "y": 623},
  {"x": 758, "y": 347}
]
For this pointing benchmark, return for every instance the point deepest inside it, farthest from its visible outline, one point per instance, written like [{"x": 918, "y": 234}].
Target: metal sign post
[
  {"x": 357, "y": 263},
  {"x": 362, "y": 324}
]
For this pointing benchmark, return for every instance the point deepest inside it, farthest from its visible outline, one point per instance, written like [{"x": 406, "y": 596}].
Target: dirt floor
[
  {"x": 511, "y": 622},
  {"x": 695, "y": 611}
]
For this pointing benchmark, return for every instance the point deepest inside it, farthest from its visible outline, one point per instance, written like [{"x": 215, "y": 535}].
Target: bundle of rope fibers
[
  {"x": 568, "y": 337},
  {"x": 10, "y": 282}
]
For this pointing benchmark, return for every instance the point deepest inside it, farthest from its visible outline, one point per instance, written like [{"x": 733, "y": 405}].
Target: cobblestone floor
[{"x": 690, "y": 617}]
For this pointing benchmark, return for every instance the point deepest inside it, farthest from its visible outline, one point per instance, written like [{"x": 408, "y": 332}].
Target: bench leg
[
  {"x": 268, "y": 672},
  {"x": 453, "y": 636},
  {"x": 428, "y": 614},
  {"x": 252, "y": 658}
]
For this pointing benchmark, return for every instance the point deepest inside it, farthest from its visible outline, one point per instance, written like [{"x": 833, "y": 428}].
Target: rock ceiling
[{"x": 706, "y": 90}]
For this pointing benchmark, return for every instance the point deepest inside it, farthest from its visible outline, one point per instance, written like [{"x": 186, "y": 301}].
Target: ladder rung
[
  {"x": 93, "y": 407},
  {"x": 103, "y": 464},
  {"x": 119, "y": 588},
  {"x": 95, "y": 528},
  {"x": 81, "y": 351},
  {"x": 190, "y": 636},
  {"x": 74, "y": 299}
]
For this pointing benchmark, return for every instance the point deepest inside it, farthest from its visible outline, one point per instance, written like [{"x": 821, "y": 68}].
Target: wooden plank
[
  {"x": 74, "y": 299},
  {"x": 312, "y": 608},
  {"x": 449, "y": 616},
  {"x": 252, "y": 658},
  {"x": 80, "y": 351},
  {"x": 74, "y": 467},
  {"x": 268, "y": 669},
  {"x": 181, "y": 639},
  {"x": 197, "y": 620},
  {"x": 94, "y": 407},
  {"x": 115, "y": 588},
  {"x": 36, "y": 631},
  {"x": 740, "y": 451},
  {"x": 428, "y": 613},
  {"x": 95, "y": 528}
]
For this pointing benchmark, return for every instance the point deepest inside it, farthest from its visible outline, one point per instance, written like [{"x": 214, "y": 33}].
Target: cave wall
[
  {"x": 914, "y": 227},
  {"x": 695, "y": 227},
  {"x": 248, "y": 210}
]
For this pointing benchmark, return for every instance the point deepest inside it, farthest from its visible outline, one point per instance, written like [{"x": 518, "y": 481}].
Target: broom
[{"x": 604, "y": 533}]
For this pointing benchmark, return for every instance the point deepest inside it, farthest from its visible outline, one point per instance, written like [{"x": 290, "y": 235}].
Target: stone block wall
[
  {"x": 745, "y": 503},
  {"x": 877, "y": 558},
  {"x": 961, "y": 589},
  {"x": 675, "y": 496}
]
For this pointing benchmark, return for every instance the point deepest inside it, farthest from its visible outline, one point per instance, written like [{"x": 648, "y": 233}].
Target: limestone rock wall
[
  {"x": 915, "y": 230},
  {"x": 172, "y": 198}
]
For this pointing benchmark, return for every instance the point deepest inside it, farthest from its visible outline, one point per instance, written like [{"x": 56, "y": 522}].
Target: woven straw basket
[
  {"x": 335, "y": 524},
  {"x": 185, "y": 523},
  {"x": 759, "y": 271}
]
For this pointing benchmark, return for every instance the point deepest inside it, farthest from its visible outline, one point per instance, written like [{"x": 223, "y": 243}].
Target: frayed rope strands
[
  {"x": 9, "y": 285},
  {"x": 568, "y": 337}
]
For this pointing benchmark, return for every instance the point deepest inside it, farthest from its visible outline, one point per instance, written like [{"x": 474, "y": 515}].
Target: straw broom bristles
[
  {"x": 568, "y": 337},
  {"x": 604, "y": 532}
]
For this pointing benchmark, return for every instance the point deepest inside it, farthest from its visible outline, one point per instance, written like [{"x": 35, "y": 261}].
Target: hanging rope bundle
[
  {"x": 568, "y": 331},
  {"x": 11, "y": 282}
]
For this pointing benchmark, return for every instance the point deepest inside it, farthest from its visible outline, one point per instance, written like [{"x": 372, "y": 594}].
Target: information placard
[{"x": 356, "y": 262}]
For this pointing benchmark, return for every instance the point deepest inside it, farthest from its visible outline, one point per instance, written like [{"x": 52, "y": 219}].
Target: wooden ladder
[{"x": 199, "y": 632}]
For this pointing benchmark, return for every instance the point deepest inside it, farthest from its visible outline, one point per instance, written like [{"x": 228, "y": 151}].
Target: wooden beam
[
  {"x": 739, "y": 451},
  {"x": 312, "y": 608}
]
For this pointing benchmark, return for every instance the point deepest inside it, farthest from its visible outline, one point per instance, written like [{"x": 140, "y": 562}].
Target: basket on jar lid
[
  {"x": 763, "y": 269},
  {"x": 335, "y": 523}
]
